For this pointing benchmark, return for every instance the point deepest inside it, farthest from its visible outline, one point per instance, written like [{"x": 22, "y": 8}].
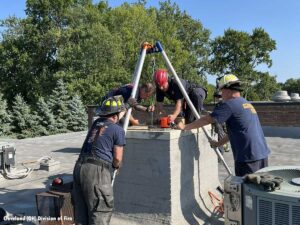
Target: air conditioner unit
[{"x": 250, "y": 204}]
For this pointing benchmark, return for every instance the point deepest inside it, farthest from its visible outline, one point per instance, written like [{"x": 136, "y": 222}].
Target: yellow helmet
[{"x": 229, "y": 81}]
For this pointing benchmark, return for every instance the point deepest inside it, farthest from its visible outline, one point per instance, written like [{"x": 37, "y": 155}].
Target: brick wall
[{"x": 286, "y": 114}]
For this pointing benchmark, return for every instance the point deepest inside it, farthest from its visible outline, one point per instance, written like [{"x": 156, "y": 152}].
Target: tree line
[
  {"x": 59, "y": 113},
  {"x": 93, "y": 48}
]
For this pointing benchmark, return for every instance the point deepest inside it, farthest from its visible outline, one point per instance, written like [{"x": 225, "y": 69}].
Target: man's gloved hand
[
  {"x": 140, "y": 108},
  {"x": 172, "y": 117},
  {"x": 132, "y": 102},
  {"x": 214, "y": 144},
  {"x": 180, "y": 126},
  {"x": 150, "y": 108}
]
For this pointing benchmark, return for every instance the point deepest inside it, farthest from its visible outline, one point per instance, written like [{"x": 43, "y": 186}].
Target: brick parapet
[{"x": 282, "y": 114}]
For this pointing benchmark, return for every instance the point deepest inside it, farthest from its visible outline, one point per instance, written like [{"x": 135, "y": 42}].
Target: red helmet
[{"x": 160, "y": 77}]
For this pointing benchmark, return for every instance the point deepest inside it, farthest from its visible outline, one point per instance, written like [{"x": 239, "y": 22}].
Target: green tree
[
  {"x": 241, "y": 53},
  {"x": 23, "y": 121},
  {"x": 186, "y": 41},
  {"x": 91, "y": 64},
  {"x": 265, "y": 87},
  {"x": 211, "y": 89},
  {"x": 77, "y": 118},
  {"x": 94, "y": 47},
  {"x": 292, "y": 86},
  {"x": 58, "y": 104},
  {"x": 5, "y": 118},
  {"x": 46, "y": 117},
  {"x": 29, "y": 49}
]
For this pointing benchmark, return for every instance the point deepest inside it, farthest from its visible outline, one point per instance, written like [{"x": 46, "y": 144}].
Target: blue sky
[{"x": 280, "y": 19}]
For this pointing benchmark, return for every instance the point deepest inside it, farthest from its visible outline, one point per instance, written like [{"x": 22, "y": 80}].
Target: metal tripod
[{"x": 147, "y": 48}]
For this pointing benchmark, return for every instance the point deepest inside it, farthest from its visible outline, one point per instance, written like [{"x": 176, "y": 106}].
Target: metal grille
[
  {"x": 295, "y": 215},
  {"x": 286, "y": 173},
  {"x": 265, "y": 212},
  {"x": 281, "y": 214}
]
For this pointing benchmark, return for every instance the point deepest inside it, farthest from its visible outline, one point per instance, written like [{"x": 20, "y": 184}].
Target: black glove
[
  {"x": 140, "y": 108},
  {"x": 114, "y": 167},
  {"x": 132, "y": 102},
  {"x": 127, "y": 106}
]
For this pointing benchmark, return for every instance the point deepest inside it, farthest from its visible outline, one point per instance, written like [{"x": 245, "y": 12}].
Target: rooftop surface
[{"x": 18, "y": 196}]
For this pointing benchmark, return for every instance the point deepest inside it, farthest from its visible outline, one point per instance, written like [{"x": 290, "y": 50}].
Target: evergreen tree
[
  {"x": 77, "y": 119},
  {"x": 46, "y": 117},
  {"x": 58, "y": 103},
  {"x": 24, "y": 123},
  {"x": 5, "y": 118}
]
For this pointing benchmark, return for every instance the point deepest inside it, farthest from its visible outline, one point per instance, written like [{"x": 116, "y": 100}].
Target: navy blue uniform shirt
[
  {"x": 125, "y": 91},
  {"x": 244, "y": 130},
  {"x": 173, "y": 92},
  {"x": 110, "y": 134}
]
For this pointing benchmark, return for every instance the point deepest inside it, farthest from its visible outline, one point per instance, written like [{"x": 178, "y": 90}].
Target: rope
[
  {"x": 217, "y": 203},
  {"x": 20, "y": 174},
  {"x": 153, "y": 71},
  {"x": 17, "y": 174},
  {"x": 153, "y": 65}
]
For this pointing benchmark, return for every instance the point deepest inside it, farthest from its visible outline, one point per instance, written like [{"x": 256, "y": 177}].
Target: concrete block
[{"x": 165, "y": 179}]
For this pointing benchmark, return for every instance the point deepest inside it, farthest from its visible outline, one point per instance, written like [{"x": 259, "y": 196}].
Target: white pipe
[
  {"x": 136, "y": 80},
  {"x": 196, "y": 114}
]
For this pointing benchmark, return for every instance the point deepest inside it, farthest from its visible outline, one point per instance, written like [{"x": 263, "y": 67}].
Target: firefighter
[
  {"x": 167, "y": 87},
  {"x": 102, "y": 151},
  {"x": 145, "y": 91},
  {"x": 244, "y": 131}
]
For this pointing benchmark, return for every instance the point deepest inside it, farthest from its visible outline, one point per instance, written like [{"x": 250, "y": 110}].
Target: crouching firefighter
[
  {"x": 167, "y": 87},
  {"x": 102, "y": 151},
  {"x": 145, "y": 91}
]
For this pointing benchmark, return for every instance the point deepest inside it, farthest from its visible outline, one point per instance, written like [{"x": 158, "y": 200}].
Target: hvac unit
[
  {"x": 7, "y": 156},
  {"x": 249, "y": 204}
]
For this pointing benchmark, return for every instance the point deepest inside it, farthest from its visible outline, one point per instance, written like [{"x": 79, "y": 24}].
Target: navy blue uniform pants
[
  {"x": 197, "y": 96},
  {"x": 243, "y": 168}
]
